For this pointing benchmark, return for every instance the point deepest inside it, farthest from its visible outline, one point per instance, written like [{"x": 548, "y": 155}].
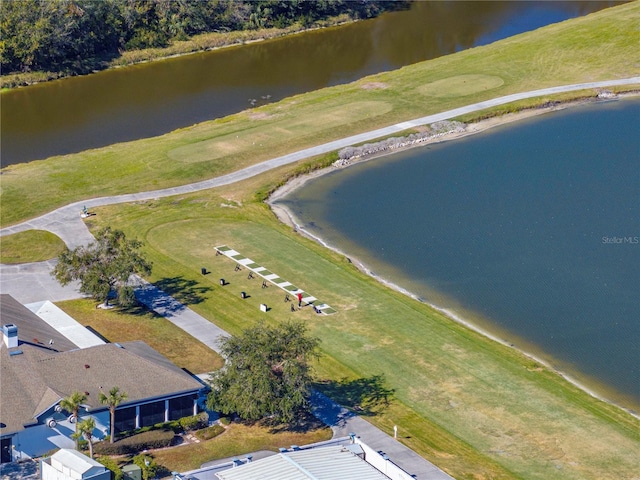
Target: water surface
[
  {"x": 145, "y": 100},
  {"x": 532, "y": 228}
]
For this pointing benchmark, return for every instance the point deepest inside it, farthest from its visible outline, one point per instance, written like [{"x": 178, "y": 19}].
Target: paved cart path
[
  {"x": 32, "y": 282},
  {"x": 68, "y": 225}
]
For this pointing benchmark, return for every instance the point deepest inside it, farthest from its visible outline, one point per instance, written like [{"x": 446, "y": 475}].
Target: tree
[
  {"x": 72, "y": 405},
  {"x": 115, "y": 398},
  {"x": 266, "y": 373},
  {"x": 85, "y": 429},
  {"x": 103, "y": 265}
]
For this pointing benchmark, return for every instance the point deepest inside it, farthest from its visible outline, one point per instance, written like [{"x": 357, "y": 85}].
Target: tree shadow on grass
[
  {"x": 303, "y": 423},
  {"x": 187, "y": 292},
  {"x": 364, "y": 396},
  {"x": 138, "y": 310}
]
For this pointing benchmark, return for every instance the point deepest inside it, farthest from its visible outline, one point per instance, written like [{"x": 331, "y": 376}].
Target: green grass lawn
[
  {"x": 116, "y": 325},
  {"x": 30, "y": 246},
  {"x": 599, "y": 46},
  {"x": 476, "y": 408},
  {"x": 239, "y": 439}
]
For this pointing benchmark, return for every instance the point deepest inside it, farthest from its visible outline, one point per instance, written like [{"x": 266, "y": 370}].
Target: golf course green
[{"x": 476, "y": 408}]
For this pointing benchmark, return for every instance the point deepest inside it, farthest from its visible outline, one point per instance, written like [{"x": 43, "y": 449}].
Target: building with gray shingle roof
[{"x": 45, "y": 366}]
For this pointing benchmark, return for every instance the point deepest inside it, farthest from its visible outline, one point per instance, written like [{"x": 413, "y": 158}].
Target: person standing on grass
[{"x": 299, "y": 299}]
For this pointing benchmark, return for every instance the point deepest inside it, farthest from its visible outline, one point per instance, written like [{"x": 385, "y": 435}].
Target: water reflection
[{"x": 150, "y": 99}]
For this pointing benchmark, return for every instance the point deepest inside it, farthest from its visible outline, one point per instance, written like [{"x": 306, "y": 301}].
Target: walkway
[
  {"x": 31, "y": 282},
  {"x": 67, "y": 224},
  {"x": 341, "y": 421}
]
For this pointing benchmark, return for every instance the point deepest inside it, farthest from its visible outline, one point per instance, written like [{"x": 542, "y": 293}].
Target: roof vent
[
  {"x": 86, "y": 365},
  {"x": 10, "y": 335}
]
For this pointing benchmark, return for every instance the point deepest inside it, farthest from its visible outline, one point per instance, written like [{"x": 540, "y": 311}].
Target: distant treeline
[{"x": 72, "y": 35}]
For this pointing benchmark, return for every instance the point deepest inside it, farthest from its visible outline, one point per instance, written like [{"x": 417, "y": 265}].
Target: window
[
  {"x": 151, "y": 413},
  {"x": 125, "y": 419},
  {"x": 180, "y": 407}
]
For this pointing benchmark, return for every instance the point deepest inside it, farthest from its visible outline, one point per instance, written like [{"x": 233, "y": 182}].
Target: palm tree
[
  {"x": 85, "y": 429},
  {"x": 72, "y": 404},
  {"x": 114, "y": 399}
]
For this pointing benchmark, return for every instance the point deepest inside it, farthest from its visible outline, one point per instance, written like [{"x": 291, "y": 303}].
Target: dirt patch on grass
[
  {"x": 374, "y": 86},
  {"x": 259, "y": 115}
]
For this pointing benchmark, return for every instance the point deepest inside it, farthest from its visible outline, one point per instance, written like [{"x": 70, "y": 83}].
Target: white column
[
  {"x": 195, "y": 406},
  {"x": 166, "y": 410},
  {"x": 137, "y": 416}
]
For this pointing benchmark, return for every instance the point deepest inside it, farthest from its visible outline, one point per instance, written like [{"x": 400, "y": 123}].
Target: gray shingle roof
[{"x": 35, "y": 380}]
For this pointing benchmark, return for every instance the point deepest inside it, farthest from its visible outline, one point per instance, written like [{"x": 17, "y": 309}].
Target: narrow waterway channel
[{"x": 76, "y": 114}]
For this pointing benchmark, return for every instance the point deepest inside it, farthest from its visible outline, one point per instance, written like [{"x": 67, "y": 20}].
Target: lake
[
  {"x": 145, "y": 100},
  {"x": 530, "y": 230}
]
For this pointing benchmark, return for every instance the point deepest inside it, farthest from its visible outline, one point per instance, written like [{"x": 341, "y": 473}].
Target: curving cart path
[
  {"x": 32, "y": 282},
  {"x": 67, "y": 224}
]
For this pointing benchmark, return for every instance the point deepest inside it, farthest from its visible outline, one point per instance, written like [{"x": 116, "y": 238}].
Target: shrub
[
  {"x": 112, "y": 465},
  {"x": 194, "y": 422},
  {"x": 147, "y": 464},
  {"x": 210, "y": 432},
  {"x": 136, "y": 443}
]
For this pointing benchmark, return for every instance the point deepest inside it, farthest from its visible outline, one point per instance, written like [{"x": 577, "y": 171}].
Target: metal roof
[
  {"x": 63, "y": 323},
  {"x": 333, "y": 462},
  {"x": 77, "y": 462}
]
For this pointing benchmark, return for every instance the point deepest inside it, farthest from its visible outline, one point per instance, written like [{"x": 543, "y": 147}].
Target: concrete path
[
  {"x": 67, "y": 224},
  {"x": 341, "y": 421},
  {"x": 31, "y": 282}
]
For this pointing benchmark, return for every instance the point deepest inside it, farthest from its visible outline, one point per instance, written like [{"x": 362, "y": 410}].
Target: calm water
[
  {"x": 533, "y": 227},
  {"x": 75, "y": 114}
]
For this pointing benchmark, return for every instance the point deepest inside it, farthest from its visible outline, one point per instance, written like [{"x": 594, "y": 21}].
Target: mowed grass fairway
[
  {"x": 600, "y": 46},
  {"x": 476, "y": 408}
]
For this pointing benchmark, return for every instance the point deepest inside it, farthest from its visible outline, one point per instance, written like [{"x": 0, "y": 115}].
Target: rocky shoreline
[{"x": 434, "y": 133}]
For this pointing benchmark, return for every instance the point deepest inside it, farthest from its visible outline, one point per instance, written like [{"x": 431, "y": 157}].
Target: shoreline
[
  {"x": 124, "y": 62},
  {"x": 286, "y": 216}
]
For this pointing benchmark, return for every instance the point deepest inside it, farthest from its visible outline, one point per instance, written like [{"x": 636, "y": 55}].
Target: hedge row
[
  {"x": 136, "y": 443},
  {"x": 210, "y": 432}
]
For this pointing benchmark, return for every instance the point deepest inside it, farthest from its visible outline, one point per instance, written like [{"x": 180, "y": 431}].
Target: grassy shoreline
[
  {"x": 474, "y": 407},
  {"x": 197, "y": 44},
  {"x": 478, "y": 123},
  {"x": 221, "y": 146},
  {"x": 454, "y": 387}
]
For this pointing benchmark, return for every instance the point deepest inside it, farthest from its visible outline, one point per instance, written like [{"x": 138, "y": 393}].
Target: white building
[{"x": 69, "y": 464}]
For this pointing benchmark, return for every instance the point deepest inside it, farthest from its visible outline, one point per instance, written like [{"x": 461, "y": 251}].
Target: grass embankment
[
  {"x": 597, "y": 47},
  {"x": 475, "y": 407},
  {"x": 30, "y": 246}
]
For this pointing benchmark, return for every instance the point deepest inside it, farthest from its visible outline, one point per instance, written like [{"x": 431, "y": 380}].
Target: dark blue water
[
  {"x": 534, "y": 226},
  {"x": 145, "y": 100}
]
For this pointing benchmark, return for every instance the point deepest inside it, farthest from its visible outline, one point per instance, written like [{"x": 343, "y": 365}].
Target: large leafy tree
[
  {"x": 72, "y": 404},
  {"x": 103, "y": 266},
  {"x": 112, "y": 400},
  {"x": 267, "y": 372}
]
